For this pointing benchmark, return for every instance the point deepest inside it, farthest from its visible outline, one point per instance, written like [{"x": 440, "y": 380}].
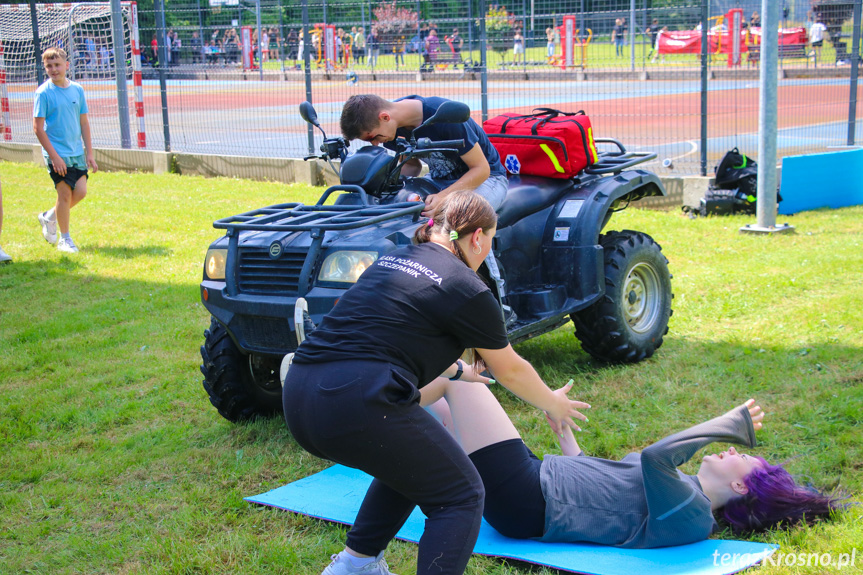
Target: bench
[
  {"x": 785, "y": 51},
  {"x": 442, "y": 60}
]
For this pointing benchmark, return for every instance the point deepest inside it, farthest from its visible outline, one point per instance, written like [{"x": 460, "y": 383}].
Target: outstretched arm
[
  {"x": 565, "y": 438},
  {"x": 517, "y": 375},
  {"x": 666, "y": 493}
]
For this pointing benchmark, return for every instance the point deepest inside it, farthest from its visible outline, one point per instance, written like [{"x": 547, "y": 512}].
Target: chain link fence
[{"x": 233, "y": 72}]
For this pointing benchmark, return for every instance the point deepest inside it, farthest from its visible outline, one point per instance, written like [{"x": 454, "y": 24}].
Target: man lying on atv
[{"x": 477, "y": 167}]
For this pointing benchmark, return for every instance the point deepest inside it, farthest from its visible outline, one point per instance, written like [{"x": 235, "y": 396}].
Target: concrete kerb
[{"x": 681, "y": 190}]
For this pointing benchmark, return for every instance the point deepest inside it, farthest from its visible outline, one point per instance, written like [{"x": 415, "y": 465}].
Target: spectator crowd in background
[{"x": 364, "y": 46}]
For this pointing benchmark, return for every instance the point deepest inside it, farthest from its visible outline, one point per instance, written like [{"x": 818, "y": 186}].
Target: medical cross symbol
[{"x": 513, "y": 166}]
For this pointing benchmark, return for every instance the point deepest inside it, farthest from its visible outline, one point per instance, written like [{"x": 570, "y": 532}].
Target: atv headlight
[
  {"x": 214, "y": 265},
  {"x": 346, "y": 266}
]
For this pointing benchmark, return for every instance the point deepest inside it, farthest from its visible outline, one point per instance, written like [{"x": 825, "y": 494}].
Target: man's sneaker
[
  {"x": 49, "y": 228},
  {"x": 67, "y": 245},
  {"x": 4, "y": 257},
  {"x": 342, "y": 565}
]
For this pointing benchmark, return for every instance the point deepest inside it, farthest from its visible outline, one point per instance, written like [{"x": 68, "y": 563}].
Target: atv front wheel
[
  {"x": 240, "y": 386},
  {"x": 627, "y": 323}
]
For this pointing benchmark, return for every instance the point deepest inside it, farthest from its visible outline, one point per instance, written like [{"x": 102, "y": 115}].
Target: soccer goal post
[{"x": 84, "y": 31}]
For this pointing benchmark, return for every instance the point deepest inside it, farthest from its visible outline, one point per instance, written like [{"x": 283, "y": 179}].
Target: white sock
[
  {"x": 358, "y": 561},
  {"x": 51, "y": 215}
]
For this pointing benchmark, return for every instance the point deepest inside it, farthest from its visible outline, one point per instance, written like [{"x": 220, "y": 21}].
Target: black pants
[
  {"x": 514, "y": 504},
  {"x": 366, "y": 414}
]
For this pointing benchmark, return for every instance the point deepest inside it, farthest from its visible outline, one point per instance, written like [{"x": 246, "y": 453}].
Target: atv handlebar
[{"x": 426, "y": 143}]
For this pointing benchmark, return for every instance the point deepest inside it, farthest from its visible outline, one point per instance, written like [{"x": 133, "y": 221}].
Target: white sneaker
[
  {"x": 49, "y": 228},
  {"x": 4, "y": 257},
  {"x": 342, "y": 565},
  {"x": 67, "y": 245}
]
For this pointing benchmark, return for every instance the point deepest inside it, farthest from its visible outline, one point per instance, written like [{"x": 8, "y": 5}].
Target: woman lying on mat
[{"x": 640, "y": 501}]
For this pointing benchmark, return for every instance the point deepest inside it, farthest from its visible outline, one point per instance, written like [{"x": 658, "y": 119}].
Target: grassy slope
[{"x": 114, "y": 461}]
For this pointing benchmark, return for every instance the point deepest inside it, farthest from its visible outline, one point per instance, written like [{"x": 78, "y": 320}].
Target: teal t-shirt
[{"x": 62, "y": 109}]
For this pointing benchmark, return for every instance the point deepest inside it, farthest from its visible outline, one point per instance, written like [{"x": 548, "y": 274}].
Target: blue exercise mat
[
  {"x": 830, "y": 180},
  {"x": 335, "y": 494}
]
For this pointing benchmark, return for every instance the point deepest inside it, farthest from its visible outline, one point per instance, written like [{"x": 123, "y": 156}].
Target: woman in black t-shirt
[{"x": 352, "y": 392}]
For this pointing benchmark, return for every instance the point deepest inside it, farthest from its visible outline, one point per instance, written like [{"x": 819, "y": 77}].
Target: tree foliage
[{"x": 394, "y": 24}]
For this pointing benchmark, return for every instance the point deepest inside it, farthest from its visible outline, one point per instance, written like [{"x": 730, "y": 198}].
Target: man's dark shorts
[{"x": 71, "y": 178}]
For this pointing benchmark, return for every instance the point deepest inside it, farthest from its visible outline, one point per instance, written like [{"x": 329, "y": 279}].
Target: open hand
[
  {"x": 567, "y": 410},
  {"x": 755, "y": 413}
]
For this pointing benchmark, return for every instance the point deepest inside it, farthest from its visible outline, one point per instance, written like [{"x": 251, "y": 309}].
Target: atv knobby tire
[
  {"x": 627, "y": 323},
  {"x": 240, "y": 386}
]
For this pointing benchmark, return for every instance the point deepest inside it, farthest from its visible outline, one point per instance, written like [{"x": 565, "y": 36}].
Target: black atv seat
[{"x": 527, "y": 195}]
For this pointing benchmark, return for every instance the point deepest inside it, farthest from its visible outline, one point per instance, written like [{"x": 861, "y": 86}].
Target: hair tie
[
  {"x": 453, "y": 236},
  {"x": 431, "y": 222}
]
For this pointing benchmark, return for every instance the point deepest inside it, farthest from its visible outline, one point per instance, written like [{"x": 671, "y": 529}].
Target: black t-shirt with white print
[{"x": 418, "y": 308}]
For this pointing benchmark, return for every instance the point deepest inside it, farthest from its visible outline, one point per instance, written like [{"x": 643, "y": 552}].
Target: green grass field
[{"x": 113, "y": 460}]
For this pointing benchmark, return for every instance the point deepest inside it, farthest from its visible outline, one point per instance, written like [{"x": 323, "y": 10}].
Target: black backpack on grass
[
  {"x": 733, "y": 169},
  {"x": 735, "y": 188}
]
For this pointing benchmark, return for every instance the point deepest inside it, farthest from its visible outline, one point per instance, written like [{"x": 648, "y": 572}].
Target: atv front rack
[
  {"x": 614, "y": 162},
  {"x": 296, "y": 217}
]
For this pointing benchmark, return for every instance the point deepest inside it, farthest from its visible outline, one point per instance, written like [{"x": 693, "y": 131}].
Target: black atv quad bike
[{"x": 556, "y": 263}]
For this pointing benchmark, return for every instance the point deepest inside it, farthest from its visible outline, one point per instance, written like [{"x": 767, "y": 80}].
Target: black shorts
[
  {"x": 514, "y": 504},
  {"x": 71, "y": 178},
  {"x": 817, "y": 44}
]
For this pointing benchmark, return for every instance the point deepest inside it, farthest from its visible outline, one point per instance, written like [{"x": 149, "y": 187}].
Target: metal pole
[
  {"x": 120, "y": 72},
  {"x": 632, "y": 35},
  {"x": 37, "y": 43},
  {"x": 260, "y": 37},
  {"x": 470, "y": 24},
  {"x": 855, "y": 69},
  {"x": 163, "y": 62},
  {"x": 704, "y": 22},
  {"x": 281, "y": 39},
  {"x": 765, "y": 209},
  {"x": 524, "y": 36},
  {"x": 203, "y": 57},
  {"x": 483, "y": 75},
  {"x": 325, "y": 11},
  {"x": 307, "y": 48},
  {"x": 583, "y": 27},
  {"x": 644, "y": 37}
]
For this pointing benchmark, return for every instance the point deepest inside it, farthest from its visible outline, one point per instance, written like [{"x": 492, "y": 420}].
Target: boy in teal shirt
[{"x": 60, "y": 123}]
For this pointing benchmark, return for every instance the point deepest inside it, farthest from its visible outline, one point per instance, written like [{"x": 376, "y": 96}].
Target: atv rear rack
[
  {"x": 614, "y": 162},
  {"x": 296, "y": 217}
]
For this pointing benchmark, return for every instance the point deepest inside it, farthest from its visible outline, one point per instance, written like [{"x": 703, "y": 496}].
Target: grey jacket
[{"x": 642, "y": 500}]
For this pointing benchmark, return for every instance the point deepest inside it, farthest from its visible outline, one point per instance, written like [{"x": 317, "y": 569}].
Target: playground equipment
[{"x": 571, "y": 41}]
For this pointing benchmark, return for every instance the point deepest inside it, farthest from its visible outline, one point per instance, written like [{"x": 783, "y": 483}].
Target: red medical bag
[{"x": 546, "y": 143}]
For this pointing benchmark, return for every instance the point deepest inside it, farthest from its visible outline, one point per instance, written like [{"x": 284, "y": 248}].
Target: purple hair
[{"x": 774, "y": 498}]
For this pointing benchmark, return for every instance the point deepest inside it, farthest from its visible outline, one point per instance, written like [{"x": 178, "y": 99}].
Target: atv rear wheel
[
  {"x": 627, "y": 323},
  {"x": 240, "y": 386}
]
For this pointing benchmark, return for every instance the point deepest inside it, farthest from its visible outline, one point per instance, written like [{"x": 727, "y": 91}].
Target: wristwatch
[{"x": 459, "y": 370}]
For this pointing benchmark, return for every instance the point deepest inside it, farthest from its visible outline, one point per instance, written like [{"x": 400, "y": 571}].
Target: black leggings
[
  {"x": 366, "y": 414},
  {"x": 514, "y": 504}
]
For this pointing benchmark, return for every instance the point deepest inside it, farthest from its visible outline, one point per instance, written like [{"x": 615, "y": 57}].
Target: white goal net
[{"x": 85, "y": 32}]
